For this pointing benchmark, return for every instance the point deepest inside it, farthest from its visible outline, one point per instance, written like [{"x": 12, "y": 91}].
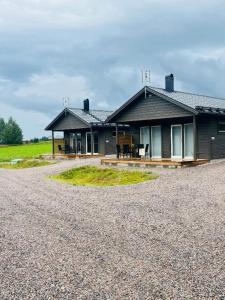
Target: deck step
[{"x": 151, "y": 163}]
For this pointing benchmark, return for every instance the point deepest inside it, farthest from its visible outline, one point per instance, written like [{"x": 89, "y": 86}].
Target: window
[
  {"x": 221, "y": 127},
  {"x": 120, "y": 133}
]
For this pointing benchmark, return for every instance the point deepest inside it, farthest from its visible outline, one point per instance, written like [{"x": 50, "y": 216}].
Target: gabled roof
[
  {"x": 91, "y": 117},
  {"x": 192, "y": 102}
]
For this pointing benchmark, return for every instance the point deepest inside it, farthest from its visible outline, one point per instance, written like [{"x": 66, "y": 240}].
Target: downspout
[
  {"x": 53, "y": 143},
  {"x": 195, "y": 156},
  {"x": 92, "y": 141}
]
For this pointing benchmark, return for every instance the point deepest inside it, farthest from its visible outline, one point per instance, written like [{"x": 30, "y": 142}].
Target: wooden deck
[
  {"x": 70, "y": 156},
  {"x": 166, "y": 163}
]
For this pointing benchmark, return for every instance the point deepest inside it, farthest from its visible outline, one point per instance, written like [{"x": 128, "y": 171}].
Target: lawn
[
  {"x": 28, "y": 151},
  {"x": 25, "y": 164},
  {"x": 93, "y": 176}
]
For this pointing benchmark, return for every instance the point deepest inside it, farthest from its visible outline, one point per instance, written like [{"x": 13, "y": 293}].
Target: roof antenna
[
  {"x": 66, "y": 103},
  {"x": 146, "y": 79}
]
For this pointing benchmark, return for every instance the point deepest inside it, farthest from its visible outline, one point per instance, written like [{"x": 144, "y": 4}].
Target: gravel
[{"x": 162, "y": 239}]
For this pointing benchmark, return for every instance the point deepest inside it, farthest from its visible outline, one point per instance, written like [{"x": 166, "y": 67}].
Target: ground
[
  {"x": 7, "y": 153},
  {"x": 162, "y": 239}
]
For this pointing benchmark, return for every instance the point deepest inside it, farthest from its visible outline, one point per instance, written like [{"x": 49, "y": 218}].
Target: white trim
[
  {"x": 140, "y": 133},
  {"x": 149, "y": 132},
  {"x": 89, "y": 153},
  {"x": 152, "y": 141},
  {"x": 171, "y": 138},
  {"x": 189, "y": 157}
]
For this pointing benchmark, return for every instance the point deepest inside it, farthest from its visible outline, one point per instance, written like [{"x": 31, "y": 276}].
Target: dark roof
[
  {"x": 91, "y": 117},
  {"x": 192, "y": 102}
]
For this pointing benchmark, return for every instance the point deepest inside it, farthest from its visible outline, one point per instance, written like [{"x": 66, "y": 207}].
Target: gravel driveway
[{"x": 163, "y": 239}]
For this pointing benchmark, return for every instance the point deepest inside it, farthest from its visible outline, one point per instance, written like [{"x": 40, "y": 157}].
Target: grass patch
[
  {"x": 28, "y": 151},
  {"x": 93, "y": 176},
  {"x": 25, "y": 164}
]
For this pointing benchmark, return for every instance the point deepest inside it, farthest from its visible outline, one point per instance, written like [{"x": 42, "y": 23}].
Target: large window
[{"x": 221, "y": 127}]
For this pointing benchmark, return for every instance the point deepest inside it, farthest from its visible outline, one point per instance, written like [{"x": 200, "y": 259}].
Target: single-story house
[
  {"x": 176, "y": 125},
  {"x": 85, "y": 131}
]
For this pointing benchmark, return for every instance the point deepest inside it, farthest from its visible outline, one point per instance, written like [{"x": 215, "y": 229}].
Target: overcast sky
[{"x": 50, "y": 49}]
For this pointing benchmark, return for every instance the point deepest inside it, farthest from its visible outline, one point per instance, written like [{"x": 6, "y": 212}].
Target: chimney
[
  {"x": 86, "y": 105},
  {"x": 169, "y": 83}
]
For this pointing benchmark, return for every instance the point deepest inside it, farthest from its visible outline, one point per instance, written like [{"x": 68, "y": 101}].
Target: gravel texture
[{"x": 163, "y": 239}]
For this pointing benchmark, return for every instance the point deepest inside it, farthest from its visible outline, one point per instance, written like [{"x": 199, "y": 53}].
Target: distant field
[{"x": 24, "y": 151}]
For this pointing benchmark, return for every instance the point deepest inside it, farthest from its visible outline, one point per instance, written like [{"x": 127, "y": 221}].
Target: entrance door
[
  {"x": 176, "y": 141},
  {"x": 145, "y": 137},
  {"x": 72, "y": 142},
  {"x": 95, "y": 143},
  {"x": 156, "y": 141},
  {"x": 188, "y": 141}
]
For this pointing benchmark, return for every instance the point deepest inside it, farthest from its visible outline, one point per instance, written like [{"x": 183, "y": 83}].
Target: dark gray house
[
  {"x": 85, "y": 131},
  {"x": 176, "y": 125}
]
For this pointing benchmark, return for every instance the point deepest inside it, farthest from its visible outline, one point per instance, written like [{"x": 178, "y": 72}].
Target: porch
[{"x": 165, "y": 163}]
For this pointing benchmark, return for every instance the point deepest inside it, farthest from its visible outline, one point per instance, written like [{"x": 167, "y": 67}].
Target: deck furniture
[
  {"x": 126, "y": 150},
  {"x": 118, "y": 151}
]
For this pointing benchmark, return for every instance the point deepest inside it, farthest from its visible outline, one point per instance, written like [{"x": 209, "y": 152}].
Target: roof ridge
[
  {"x": 90, "y": 109},
  {"x": 189, "y": 93}
]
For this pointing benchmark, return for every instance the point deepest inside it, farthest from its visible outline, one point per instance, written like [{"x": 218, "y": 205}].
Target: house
[
  {"x": 176, "y": 125},
  {"x": 85, "y": 131}
]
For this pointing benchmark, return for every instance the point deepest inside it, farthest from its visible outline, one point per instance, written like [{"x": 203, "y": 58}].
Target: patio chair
[
  {"x": 139, "y": 147},
  {"x": 126, "y": 150},
  {"x": 60, "y": 150},
  {"x": 147, "y": 151},
  {"x": 118, "y": 151}
]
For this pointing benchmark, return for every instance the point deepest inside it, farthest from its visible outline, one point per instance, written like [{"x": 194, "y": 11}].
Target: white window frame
[
  {"x": 171, "y": 138},
  {"x": 188, "y": 157},
  {"x": 89, "y": 153},
  {"x": 152, "y": 141}
]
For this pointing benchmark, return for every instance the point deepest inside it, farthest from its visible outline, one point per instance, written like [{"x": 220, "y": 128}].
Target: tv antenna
[
  {"x": 146, "y": 79},
  {"x": 66, "y": 101}
]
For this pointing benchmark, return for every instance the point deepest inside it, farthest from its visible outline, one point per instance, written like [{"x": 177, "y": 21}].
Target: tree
[
  {"x": 2, "y": 128},
  {"x": 12, "y": 133}
]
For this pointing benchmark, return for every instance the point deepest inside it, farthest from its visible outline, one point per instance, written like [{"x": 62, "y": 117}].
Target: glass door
[
  {"x": 88, "y": 143},
  {"x": 188, "y": 141},
  {"x": 156, "y": 141},
  {"x": 176, "y": 141},
  {"x": 145, "y": 137}
]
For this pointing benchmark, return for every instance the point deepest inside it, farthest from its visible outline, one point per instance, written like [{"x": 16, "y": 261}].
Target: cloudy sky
[{"x": 50, "y": 49}]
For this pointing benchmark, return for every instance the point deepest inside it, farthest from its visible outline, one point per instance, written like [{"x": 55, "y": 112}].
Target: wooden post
[
  {"x": 92, "y": 142},
  {"x": 117, "y": 134},
  {"x": 195, "y": 155},
  {"x": 53, "y": 143}
]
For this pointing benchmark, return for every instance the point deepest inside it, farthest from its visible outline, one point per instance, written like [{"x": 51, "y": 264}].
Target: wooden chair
[
  {"x": 126, "y": 150},
  {"x": 118, "y": 151}
]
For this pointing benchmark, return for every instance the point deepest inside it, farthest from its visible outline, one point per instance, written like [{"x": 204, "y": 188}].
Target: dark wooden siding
[
  {"x": 218, "y": 144},
  {"x": 152, "y": 108},
  {"x": 69, "y": 122}
]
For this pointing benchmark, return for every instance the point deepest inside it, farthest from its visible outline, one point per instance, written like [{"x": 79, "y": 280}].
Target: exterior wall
[
  {"x": 152, "y": 108},
  {"x": 107, "y": 142},
  {"x": 69, "y": 122},
  {"x": 207, "y": 128},
  {"x": 165, "y": 131}
]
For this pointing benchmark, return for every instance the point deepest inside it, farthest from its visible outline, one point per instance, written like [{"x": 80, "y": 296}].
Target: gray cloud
[{"x": 50, "y": 49}]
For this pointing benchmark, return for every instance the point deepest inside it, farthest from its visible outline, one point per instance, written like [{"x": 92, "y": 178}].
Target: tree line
[{"x": 10, "y": 132}]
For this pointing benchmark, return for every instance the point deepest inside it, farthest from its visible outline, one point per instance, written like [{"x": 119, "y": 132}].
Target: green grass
[
  {"x": 25, "y": 164},
  {"x": 93, "y": 176},
  {"x": 9, "y": 153}
]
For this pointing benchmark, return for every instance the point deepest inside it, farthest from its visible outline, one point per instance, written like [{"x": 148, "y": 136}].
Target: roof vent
[
  {"x": 169, "y": 83},
  {"x": 86, "y": 105}
]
